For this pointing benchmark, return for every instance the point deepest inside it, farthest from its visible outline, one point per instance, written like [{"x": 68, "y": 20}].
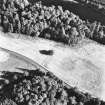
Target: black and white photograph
[{"x": 52, "y": 52}]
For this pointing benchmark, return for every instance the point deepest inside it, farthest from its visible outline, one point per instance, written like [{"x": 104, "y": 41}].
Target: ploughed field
[{"x": 97, "y": 5}]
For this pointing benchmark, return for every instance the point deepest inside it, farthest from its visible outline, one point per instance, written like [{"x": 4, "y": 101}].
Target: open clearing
[
  {"x": 82, "y": 67},
  {"x": 10, "y": 61}
]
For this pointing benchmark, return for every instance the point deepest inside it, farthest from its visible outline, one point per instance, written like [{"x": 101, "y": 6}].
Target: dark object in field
[{"x": 47, "y": 52}]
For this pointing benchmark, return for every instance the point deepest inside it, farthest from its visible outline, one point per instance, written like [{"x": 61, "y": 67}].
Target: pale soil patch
[
  {"x": 3, "y": 56},
  {"x": 83, "y": 67},
  {"x": 11, "y": 62}
]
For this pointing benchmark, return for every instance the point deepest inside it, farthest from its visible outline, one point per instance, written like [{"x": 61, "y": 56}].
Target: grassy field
[
  {"x": 74, "y": 63},
  {"x": 10, "y": 61}
]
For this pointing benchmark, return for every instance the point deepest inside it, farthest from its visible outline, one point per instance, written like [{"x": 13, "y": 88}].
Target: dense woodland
[
  {"x": 36, "y": 87},
  {"x": 50, "y": 22}
]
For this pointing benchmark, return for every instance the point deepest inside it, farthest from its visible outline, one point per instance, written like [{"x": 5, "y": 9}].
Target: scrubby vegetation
[
  {"x": 50, "y": 22},
  {"x": 36, "y": 87}
]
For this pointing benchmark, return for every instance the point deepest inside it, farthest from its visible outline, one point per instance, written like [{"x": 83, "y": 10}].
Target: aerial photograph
[{"x": 52, "y": 52}]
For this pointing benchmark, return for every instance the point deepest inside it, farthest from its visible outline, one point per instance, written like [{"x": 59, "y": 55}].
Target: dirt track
[{"x": 82, "y": 67}]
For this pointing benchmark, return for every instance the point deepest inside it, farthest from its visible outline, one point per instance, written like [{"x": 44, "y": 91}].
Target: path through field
[{"x": 83, "y": 67}]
